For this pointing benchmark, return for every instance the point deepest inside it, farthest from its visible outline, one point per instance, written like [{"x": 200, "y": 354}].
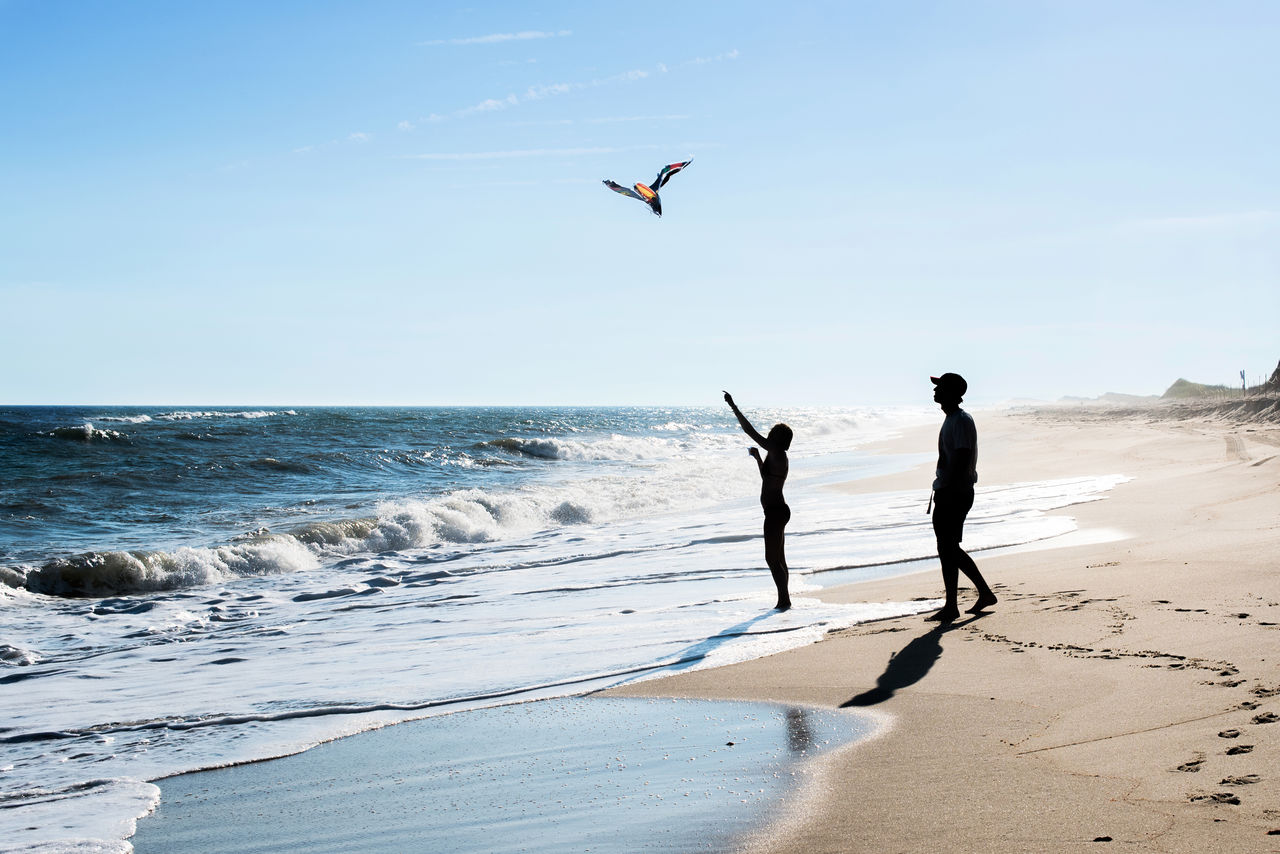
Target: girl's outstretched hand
[
  {"x": 755, "y": 452},
  {"x": 728, "y": 398}
]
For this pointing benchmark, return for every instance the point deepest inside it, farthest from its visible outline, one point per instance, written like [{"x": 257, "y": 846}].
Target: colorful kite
[{"x": 649, "y": 195}]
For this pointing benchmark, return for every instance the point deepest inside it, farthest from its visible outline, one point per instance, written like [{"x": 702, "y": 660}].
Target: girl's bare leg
[{"x": 775, "y": 557}]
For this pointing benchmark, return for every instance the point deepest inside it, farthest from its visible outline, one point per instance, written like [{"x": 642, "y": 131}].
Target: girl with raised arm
[{"x": 773, "y": 474}]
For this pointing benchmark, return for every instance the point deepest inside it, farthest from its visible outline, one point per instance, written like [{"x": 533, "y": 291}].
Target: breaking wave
[
  {"x": 86, "y": 433},
  {"x": 126, "y": 419},
  {"x": 111, "y": 573},
  {"x": 191, "y": 415},
  {"x": 184, "y": 415},
  {"x": 462, "y": 519},
  {"x": 620, "y": 448}
]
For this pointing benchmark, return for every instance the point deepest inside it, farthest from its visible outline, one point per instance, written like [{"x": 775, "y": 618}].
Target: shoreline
[
  {"x": 536, "y": 776},
  {"x": 1002, "y": 732},
  {"x": 1101, "y": 699}
]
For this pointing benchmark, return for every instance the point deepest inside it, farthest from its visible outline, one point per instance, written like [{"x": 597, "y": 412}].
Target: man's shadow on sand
[{"x": 907, "y": 666}]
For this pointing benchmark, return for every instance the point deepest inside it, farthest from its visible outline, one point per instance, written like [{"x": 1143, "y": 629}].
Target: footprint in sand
[
  {"x": 1229, "y": 733},
  {"x": 1239, "y": 748},
  {"x": 1240, "y": 781},
  {"x": 1216, "y": 798},
  {"x": 1191, "y": 767},
  {"x": 1266, "y": 718}
]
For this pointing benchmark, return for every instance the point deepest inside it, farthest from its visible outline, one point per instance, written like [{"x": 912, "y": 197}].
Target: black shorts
[
  {"x": 777, "y": 515},
  {"x": 950, "y": 507}
]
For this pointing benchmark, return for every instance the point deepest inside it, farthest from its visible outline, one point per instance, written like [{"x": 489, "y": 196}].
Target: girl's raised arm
[{"x": 746, "y": 425}]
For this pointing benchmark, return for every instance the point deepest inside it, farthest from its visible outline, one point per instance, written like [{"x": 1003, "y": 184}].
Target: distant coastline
[{"x": 1187, "y": 401}]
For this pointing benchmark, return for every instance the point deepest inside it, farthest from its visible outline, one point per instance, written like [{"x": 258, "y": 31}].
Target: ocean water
[{"x": 191, "y": 588}]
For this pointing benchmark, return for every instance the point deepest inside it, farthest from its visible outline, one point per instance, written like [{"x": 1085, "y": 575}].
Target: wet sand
[
  {"x": 1122, "y": 695},
  {"x": 572, "y": 774}
]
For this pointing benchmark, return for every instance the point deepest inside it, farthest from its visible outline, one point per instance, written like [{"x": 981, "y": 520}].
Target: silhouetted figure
[
  {"x": 956, "y": 474},
  {"x": 773, "y": 474}
]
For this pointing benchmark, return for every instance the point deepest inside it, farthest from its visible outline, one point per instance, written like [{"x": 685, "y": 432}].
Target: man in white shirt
[{"x": 956, "y": 474}]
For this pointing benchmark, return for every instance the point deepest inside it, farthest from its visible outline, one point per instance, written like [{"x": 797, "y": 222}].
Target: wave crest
[
  {"x": 463, "y": 518},
  {"x": 86, "y": 432},
  {"x": 126, "y": 419},
  {"x": 625, "y": 448},
  {"x": 189, "y": 415},
  {"x": 113, "y": 573}
]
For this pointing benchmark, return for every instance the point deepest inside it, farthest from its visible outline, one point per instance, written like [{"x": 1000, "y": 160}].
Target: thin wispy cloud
[
  {"x": 542, "y": 91},
  {"x": 489, "y": 105},
  {"x": 719, "y": 57},
  {"x": 497, "y": 38},
  {"x": 531, "y": 183},
  {"x": 536, "y": 93},
  {"x": 408, "y": 125},
  {"x": 527, "y": 152}
]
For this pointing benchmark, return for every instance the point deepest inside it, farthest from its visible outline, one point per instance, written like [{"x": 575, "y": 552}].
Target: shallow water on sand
[{"x": 586, "y": 774}]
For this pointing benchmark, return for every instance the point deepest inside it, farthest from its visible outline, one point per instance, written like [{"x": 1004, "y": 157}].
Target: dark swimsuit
[
  {"x": 776, "y": 511},
  {"x": 777, "y": 514}
]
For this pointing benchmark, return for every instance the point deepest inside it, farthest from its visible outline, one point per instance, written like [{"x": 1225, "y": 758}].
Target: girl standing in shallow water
[{"x": 773, "y": 474}]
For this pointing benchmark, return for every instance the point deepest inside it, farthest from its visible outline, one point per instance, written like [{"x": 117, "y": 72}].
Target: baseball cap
[{"x": 952, "y": 383}]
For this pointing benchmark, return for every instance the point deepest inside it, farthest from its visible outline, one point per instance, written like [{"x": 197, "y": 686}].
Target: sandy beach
[{"x": 1122, "y": 695}]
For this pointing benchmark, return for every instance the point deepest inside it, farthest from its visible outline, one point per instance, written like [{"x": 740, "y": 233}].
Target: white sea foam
[
  {"x": 617, "y": 447},
  {"x": 462, "y": 517},
  {"x": 113, "y": 573},
  {"x": 126, "y": 419},
  {"x": 189, "y": 415}
]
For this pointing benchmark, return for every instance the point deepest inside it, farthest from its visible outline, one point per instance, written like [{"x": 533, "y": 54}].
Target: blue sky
[{"x": 400, "y": 203}]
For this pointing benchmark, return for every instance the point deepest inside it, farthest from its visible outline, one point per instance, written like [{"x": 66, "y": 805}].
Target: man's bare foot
[
  {"x": 946, "y": 615},
  {"x": 783, "y": 605},
  {"x": 986, "y": 600}
]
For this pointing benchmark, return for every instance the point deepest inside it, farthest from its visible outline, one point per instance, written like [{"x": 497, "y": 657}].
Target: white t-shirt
[{"x": 958, "y": 433}]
